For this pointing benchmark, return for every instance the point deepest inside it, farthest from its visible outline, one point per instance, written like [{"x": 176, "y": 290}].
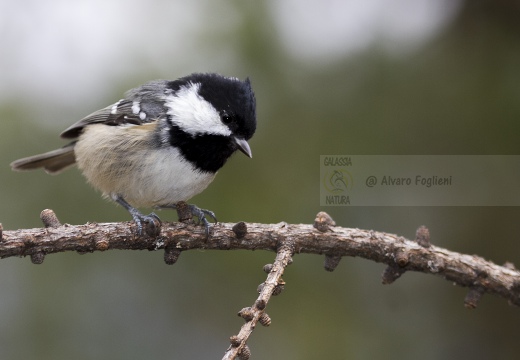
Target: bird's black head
[
  {"x": 211, "y": 117},
  {"x": 233, "y": 99}
]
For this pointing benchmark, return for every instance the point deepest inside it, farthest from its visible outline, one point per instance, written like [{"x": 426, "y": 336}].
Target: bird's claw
[
  {"x": 201, "y": 216},
  {"x": 152, "y": 224}
]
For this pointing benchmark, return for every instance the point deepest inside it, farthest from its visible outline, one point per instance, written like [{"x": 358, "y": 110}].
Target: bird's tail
[{"x": 53, "y": 161}]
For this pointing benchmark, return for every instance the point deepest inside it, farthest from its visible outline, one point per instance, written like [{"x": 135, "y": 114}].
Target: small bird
[{"x": 161, "y": 144}]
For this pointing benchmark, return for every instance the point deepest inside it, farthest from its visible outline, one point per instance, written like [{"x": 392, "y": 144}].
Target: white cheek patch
[{"x": 193, "y": 114}]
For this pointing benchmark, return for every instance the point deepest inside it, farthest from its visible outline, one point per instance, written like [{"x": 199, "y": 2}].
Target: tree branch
[
  {"x": 333, "y": 241},
  {"x": 256, "y": 314},
  {"x": 400, "y": 254}
]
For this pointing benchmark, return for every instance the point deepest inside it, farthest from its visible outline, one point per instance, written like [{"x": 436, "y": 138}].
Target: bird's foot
[
  {"x": 201, "y": 216},
  {"x": 151, "y": 224},
  {"x": 187, "y": 211}
]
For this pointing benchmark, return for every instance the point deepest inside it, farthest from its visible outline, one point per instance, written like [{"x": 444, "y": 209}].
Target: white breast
[{"x": 122, "y": 160}]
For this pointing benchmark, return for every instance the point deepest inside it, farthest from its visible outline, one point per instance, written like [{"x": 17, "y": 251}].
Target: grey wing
[{"x": 140, "y": 105}]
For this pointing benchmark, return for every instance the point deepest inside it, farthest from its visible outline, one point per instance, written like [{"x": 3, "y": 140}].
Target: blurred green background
[{"x": 331, "y": 77}]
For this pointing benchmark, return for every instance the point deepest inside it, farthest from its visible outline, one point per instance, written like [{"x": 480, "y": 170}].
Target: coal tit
[{"x": 161, "y": 144}]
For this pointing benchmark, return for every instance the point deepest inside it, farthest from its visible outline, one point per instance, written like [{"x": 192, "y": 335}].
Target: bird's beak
[{"x": 243, "y": 146}]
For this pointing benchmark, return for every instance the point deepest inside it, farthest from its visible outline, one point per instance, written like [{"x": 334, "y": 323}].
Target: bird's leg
[{"x": 153, "y": 221}]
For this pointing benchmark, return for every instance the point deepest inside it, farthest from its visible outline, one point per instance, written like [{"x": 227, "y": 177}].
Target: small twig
[
  {"x": 183, "y": 212},
  {"x": 49, "y": 219},
  {"x": 256, "y": 313},
  {"x": 331, "y": 262},
  {"x": 323, "y": 222},
  {"x": 422, "y": 236},
  {"x": 472, "y": 298},
  {"x": 171, "y": 255},
  {"x": 240, "y": 229}
]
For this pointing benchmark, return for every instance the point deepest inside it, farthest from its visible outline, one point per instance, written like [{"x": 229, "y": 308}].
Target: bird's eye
[{"x": 227, "y": 119}]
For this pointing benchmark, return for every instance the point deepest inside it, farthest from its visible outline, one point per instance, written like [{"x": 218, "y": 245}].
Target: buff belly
[{"x": 124, "y": 161}]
